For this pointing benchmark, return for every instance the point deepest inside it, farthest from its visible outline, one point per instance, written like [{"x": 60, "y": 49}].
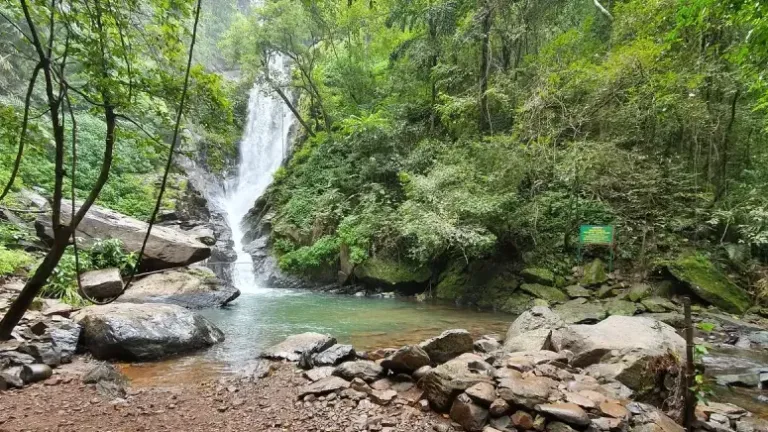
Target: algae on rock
[
  {"x": 391, "y": 272},
  {"x": 709, "y": 282}
]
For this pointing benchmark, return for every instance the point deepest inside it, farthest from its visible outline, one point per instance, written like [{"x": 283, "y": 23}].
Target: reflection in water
[{"x": 262, "y": 319}]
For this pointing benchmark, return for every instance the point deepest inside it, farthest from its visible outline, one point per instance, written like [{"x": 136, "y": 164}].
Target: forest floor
[{"x": 64, "y": 404}]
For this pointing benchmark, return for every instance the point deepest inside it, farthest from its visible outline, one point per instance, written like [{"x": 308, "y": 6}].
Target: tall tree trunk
[{"x": 485, "y": 68}]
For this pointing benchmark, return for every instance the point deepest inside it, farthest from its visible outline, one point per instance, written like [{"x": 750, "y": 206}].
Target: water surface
[{"x": 263, "y": 318}]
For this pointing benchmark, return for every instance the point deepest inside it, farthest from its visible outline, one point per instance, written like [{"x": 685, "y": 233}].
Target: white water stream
[{"x": 262, "y": 149}]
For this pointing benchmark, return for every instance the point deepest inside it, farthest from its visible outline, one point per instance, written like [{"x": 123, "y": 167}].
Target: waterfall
[{"x": 262, "y": 150}]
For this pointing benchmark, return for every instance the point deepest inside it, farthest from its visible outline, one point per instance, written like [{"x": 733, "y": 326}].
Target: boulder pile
[{"x": 547, "y": 375}]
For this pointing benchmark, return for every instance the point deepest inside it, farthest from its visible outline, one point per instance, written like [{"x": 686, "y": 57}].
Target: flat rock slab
[
  {"x": 334, "y": 355},
  {"x": 450, "y": 344},
  {"x": 294, "y": 346},
  {"x": 102, "y": 284},
  {"x": 193, "y": 288},
  {"x": 319, "y": 373},
  {"x": 568, "y": 412},
  {"x": 132, "y": 332},
  {"x": 324, "y": 386}
]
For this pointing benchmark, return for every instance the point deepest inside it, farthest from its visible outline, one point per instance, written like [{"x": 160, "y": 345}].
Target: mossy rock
[
  {"x": 391, "y": 272},
  {"x": 452, "y": 283},
  {"x": 594, "y": 273},
  {"x": 548, "y": 293},
  {"x": 709, "y": 283},
  {"x": 605, "y": 291},
  {"x": 578, "y": 291},
  {"x": 620, "y": 307},
  {"x": 538, "y": 275},
  {"x": 658, "y": 304},
  {"x": 579, "y": 311},
  {"x": 639, "y": 291},
  {"x": 517, "y": 303}
]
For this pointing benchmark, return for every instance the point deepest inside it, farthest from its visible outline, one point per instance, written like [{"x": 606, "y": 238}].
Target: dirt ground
[{"x": 63, "y": 403}]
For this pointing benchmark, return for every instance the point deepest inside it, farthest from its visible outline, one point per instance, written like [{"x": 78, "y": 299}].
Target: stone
[
  {"x": 166, "y": 248},
  {"x": 102, "y": 284},
  {"x": 632, "y": 342},
  {"x": 594, "y": 273},
  {"x": 674, "y": 319},
  {"x": 709, "y": 283},
  {"x": 526, "y": 391},
  {"x": 42, "y": 351},
  {"x": 293, "y": 346},
  {"x": 449, "y": 344},
  {"x": 517, "y": 303},
  {"x": 102, "y": 372},
  {"x": 658, "y": 304},
  {"x": 522, "y": 420},
  {"x": 620, "y": 307},
  {"x": 446, "y": 381},
  {"x": 490, "y": 429},
  {"x": 639, "y": 291},
  {"x": 334, "y": 355},
  {"x": 366, "y": 370},
  {"x": 536, "y": 318},
  {"x": 15, "y": 358},
  {"x": 527, "y": 360},
  {"x": 407, "y": 359},
  {"x": 729, "y": 410},
  {"x": 548, "y": 293},
  {"x": 752, "y": 424},
  {"x": 576, "y": 291},
  {"x": 538, "y": 275},
  {"x": 324, "y": 386},
  {"x": 613, "y": 409},
  {"x": 64, "y": 338},
  {"x": 482, "y": 393},
  {"x": 556, "y": 426},
  {"x": 487, "y": 344},
  {"x": 131, "y": 332},
  {"x": 567, "y": 412},
  {"x": 534, "y": 340},
  {"x": 420, "y": 372},
  {"x": 580, "y": 400},
  {"x": 470, "y": 416},
  {"x": 193, "y": 288},
  {"x": 382, "y": 397},
  {"x": 499, "y": 407},
  {"x": 607, "y": 423},
  {"x": 580, "y": 312},
  {"x": 12, "y": 376},
  {"x": 318, "y": 373}
]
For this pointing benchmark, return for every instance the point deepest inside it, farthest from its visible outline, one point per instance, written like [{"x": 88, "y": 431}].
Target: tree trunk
[{"x": 485, "y": 68}]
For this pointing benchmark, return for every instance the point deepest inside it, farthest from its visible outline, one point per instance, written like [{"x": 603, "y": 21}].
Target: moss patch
[
  {"x": 391, "y": 272},
  {"x": 548, "y": 293},
  {"x": 538, "y": 275},
  {"x": 594, "y": 273},
  {"x": 709, "y": 283}
]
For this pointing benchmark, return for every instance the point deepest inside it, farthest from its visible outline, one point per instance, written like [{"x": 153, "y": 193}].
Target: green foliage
[
  {"x": 13, "y": 261},
  {"x": 111, "y": 253}
]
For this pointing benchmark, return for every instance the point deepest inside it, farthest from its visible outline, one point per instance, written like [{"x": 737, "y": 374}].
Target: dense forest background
[{"x": 446, "y": 138}]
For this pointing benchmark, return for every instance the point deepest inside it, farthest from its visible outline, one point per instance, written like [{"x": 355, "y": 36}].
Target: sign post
[{"x": 604, "y": 235}]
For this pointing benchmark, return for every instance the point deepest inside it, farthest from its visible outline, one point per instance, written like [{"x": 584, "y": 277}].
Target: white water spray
[{"x": 262, "y": 149}]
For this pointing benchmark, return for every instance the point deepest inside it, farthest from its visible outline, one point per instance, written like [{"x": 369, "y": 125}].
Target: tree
[{"x": 105, "y": 55}]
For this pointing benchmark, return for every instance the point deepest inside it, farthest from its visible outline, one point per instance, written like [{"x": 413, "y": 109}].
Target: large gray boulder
[
  {"x": 126, "y": 331},
  {"x": 538, "y": 319},
  {"x": 448, "y": 345},
  {"x": 193, "y": 288},
  {"x": 102, "y": 284},
  {"x": 407, "y": 359},
  {"x": 631, "y": 345},
  {"x": 366, "y": 370},
  {"x": 442, "y": 384},
  {"x": 294, "y": 346},
  {"x": 166, "y": 248}
]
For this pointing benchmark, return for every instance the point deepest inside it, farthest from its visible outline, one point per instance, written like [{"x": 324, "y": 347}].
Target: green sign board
[{"x": 596, "y": 234}]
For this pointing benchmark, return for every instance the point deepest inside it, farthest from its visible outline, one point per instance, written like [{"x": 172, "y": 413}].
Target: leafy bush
[{"x": 12, "y": 261}]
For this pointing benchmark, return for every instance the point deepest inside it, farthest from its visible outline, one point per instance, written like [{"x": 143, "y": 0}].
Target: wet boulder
[
  {"x": 294, "y": 346},
  {"x": 442, "y": 384},
  {"x": 125, "y": 331},
  {"x": 193, "y": 288},
  {"x": 334, "y": 355},
  {"x": 166, "y": 248},
  {"x": 449, "y": 344}
]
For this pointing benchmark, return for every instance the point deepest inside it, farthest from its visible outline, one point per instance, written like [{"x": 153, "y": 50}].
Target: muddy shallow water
[{"x": 261, "y": 319}]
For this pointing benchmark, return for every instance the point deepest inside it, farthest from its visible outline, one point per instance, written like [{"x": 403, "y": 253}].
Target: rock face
[
  {"x": 547, "y": 293},
  {"x": 629, "y": 344},
  {"x": 536, "y": 318},
  {"x": 166, "y": 247},
  {"x": 443, "y": 383},
  {"x": 143, "y": 331},
  {"x": 407, "y": 359},
  {"x": 193, "y": 288},
  {"x": 594, "y": 273},
  {"x": 390, "y": 273},
  {"x": 709, "y": 283},
  {"x": 294, "y": 346},
  {"x": 448, "y": 345},
  {"x": 102, "y": 284},
  {"x": 538, "y": 275}
]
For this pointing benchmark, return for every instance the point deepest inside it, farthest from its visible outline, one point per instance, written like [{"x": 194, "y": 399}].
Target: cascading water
[{"x": 262, "y": 149}]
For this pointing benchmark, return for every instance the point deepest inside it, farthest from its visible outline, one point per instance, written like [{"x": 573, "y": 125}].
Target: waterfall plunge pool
[{"x": 259, "y": 319}]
